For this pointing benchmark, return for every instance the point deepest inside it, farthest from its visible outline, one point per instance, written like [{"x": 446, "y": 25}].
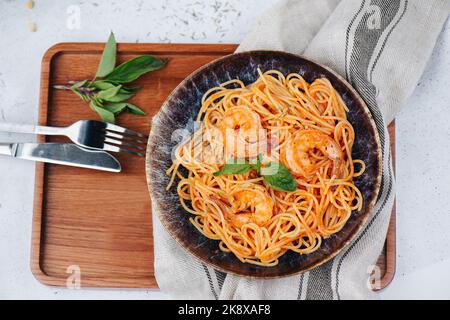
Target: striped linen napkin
[{"x": 381, "y": 47}]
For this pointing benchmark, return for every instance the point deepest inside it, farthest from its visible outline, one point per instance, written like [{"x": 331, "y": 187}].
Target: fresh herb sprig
[
  {"x": 107, "y": 93},
  {"x": 275, "y": 174}
]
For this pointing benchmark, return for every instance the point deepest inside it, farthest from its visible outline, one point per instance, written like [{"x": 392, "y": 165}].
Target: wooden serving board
[{"x": 101, "y": 222}]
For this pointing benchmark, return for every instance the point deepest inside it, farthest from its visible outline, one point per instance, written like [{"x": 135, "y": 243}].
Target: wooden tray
[{"x": 101, "y": 222}]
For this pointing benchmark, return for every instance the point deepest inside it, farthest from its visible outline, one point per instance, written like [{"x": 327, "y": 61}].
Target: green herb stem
[{"x": 108, "y": 96}]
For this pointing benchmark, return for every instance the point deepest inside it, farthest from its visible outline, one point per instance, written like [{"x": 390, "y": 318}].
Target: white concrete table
[{"x": 423, "y": 130}]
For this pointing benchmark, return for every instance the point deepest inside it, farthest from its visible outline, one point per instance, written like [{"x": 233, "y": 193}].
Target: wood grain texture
[{"x": 99, "y": 221}]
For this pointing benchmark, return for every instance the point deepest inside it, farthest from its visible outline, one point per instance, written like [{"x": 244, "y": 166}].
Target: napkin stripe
[
  {"x": 300, "y": 287},
  {"x": 405, "y": 6},
  {"x": 319, "y": 288},
  {"x": 347, "y": 37},
  {"x": 211, "y": 285},
  {"x": 220, "y": 276},
  {"x": 360, "y": 73},
  {"x": 303, "y": 286}
]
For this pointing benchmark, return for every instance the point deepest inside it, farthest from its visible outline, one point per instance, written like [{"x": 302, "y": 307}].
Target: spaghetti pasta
[{"x": 277, "y": 119}]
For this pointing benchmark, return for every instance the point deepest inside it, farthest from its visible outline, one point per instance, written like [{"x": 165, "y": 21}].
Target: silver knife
[{"x": 62, "y": 153}]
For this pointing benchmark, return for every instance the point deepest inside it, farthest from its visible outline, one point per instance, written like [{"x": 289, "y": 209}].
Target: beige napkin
[{"x": 381, "y": 47}]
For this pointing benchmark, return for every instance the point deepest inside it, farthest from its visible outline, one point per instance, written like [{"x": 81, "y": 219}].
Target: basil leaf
[
  {"x": 281, "y": 179},
  {"x": 102, "y": 85},
  {"x": 112, "y": 93},
  {"x": 133, "y": 89},
  {"x": 108, "y": 60},
  {"x": 78, "y": 84},
  {"x": 234, "y": 168},
  {"x": 134, "y": 68},
  {"x": 108, "y": 93},
  {"x": 133, "y": 109},
  {"x": 116, "y": 108},
  {"x": 107, "y": 96},
  {"x": 121, "y": 96},
  {"x": 105, "y": 115},
  {"x": 81, "y": 95}
]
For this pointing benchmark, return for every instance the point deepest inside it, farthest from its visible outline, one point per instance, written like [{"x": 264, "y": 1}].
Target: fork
[{"x": 90, "y": 134}]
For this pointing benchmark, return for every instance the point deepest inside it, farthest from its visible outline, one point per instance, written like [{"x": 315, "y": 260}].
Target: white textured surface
[
  {"x": 423, "y": 176},
  {"x": 423, "y": 133}
]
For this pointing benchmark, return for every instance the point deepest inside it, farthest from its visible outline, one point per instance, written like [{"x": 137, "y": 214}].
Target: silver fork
[{"x": 90, "y": 134}]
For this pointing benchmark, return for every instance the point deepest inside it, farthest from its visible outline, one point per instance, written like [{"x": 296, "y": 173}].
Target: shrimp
[
  {"x": 242, "y": 132},
  {"x": 248, "y": 206},
  {"x": 298, "y": 159}
]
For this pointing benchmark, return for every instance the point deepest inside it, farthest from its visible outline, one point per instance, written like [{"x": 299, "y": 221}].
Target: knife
[{"x": 62, "y": 153}]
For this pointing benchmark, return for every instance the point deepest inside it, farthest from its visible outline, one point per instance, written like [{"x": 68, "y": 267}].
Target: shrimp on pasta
[{"x": 277, "y": 119}]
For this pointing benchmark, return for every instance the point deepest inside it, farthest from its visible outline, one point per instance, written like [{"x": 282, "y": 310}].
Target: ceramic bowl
[{"x": 179, "y": 111}]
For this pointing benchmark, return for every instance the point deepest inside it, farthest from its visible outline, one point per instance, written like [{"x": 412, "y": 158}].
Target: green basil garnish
[
  {"x": 108, "y": 59},
  {"x": 276, "y": 175},
  {"x": 234, "y": 168},
  {"x": 108, "y": 96},
  {"x": 134, "y": 68},
  {"x": 282, "y": 179}
]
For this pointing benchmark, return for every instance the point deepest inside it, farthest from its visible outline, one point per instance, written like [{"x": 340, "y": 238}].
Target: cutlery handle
[{"x": 29, "y": 128}]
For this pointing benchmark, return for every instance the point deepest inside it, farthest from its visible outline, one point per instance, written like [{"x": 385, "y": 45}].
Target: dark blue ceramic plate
[{"x": 178, "y": 112}]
